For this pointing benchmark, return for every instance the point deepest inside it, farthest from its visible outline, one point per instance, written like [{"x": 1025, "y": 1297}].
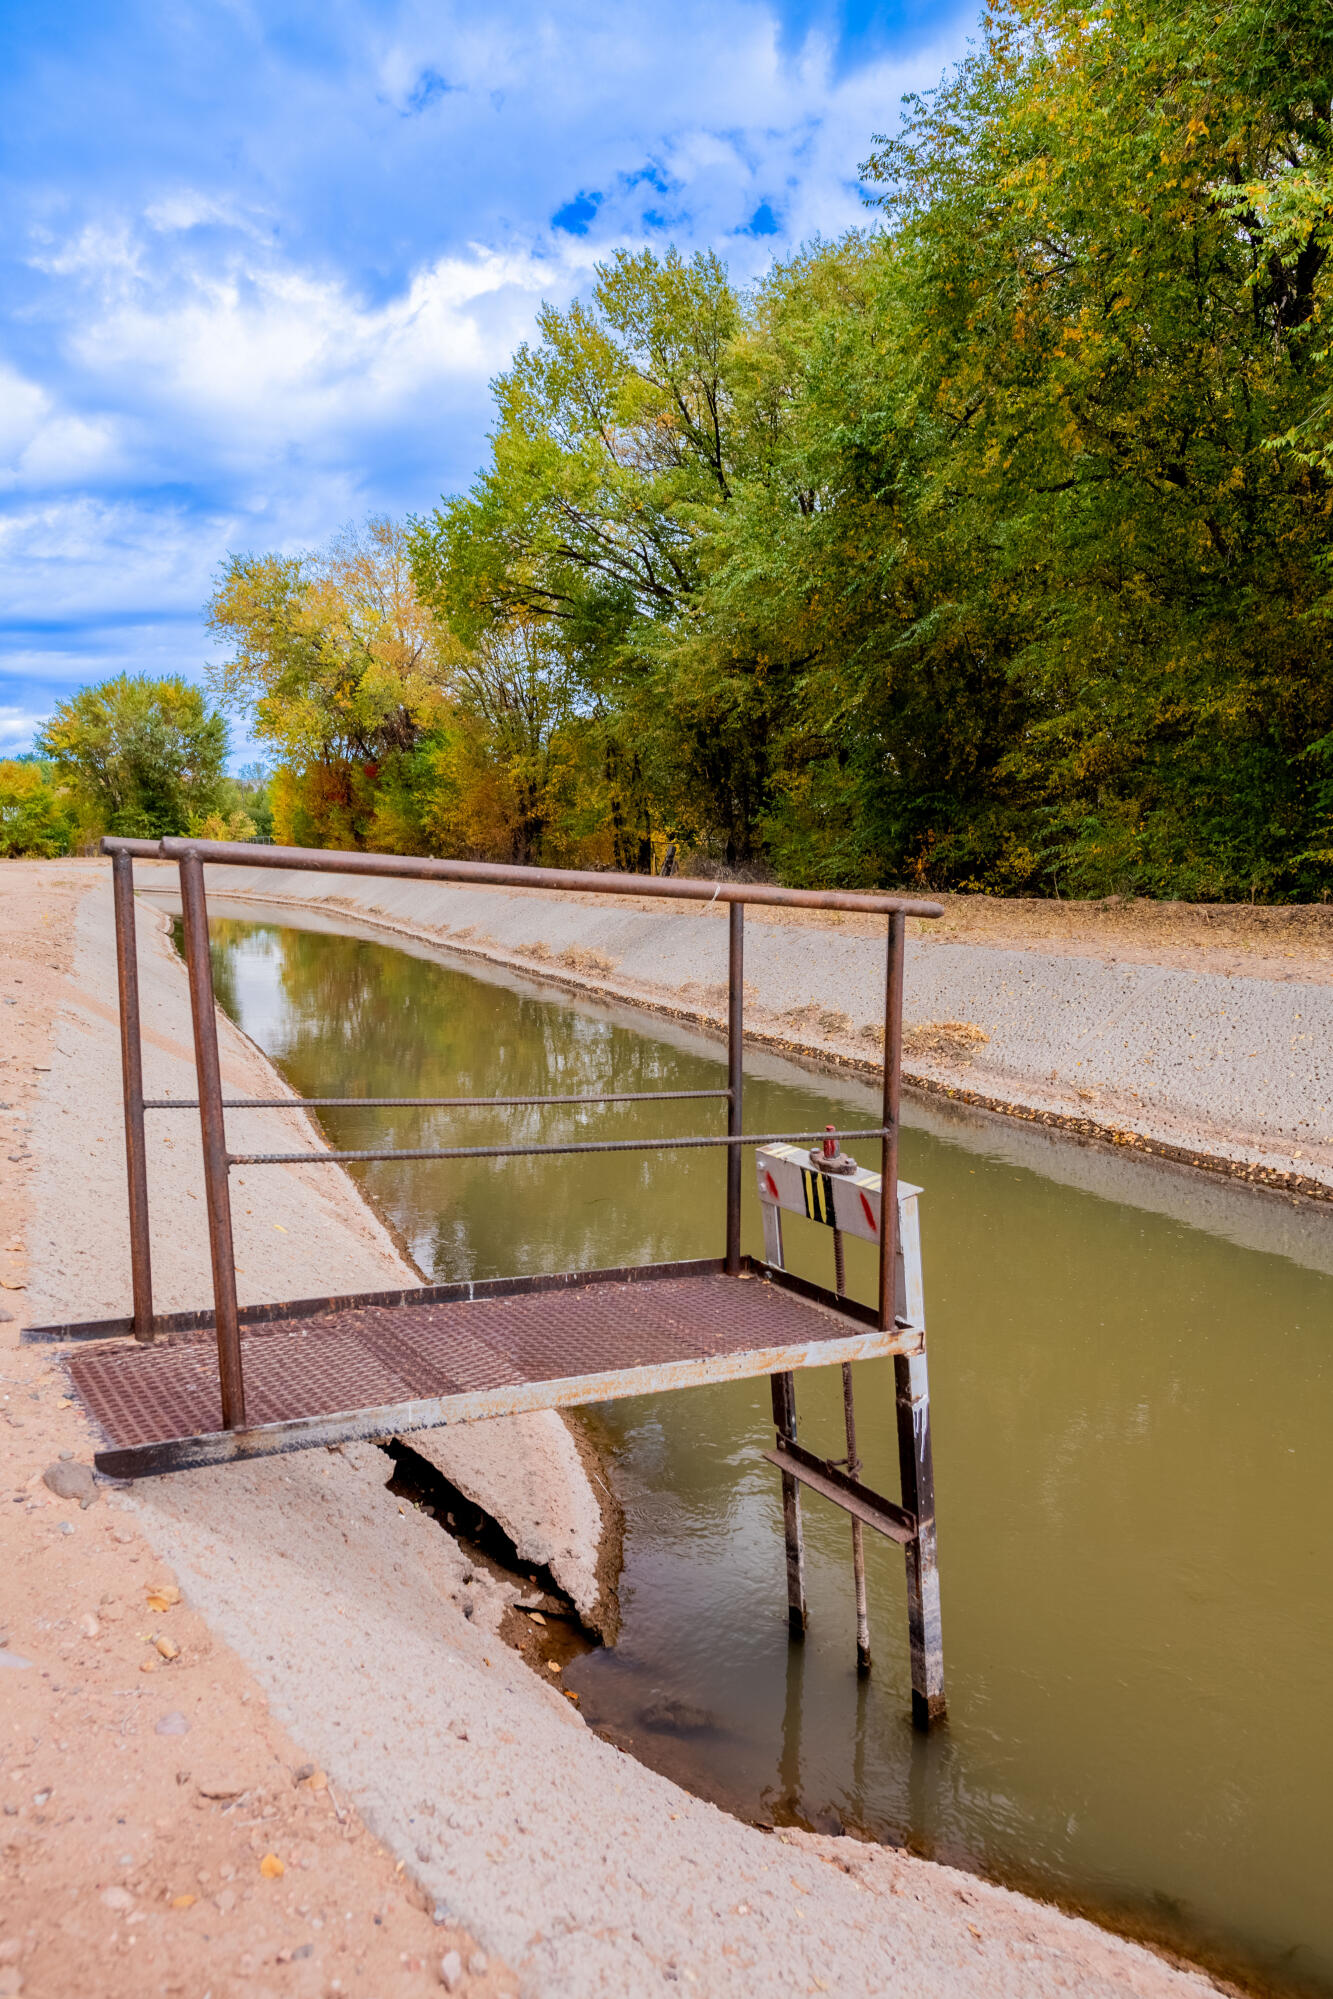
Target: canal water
[{"x": 1132, "y": 1378}]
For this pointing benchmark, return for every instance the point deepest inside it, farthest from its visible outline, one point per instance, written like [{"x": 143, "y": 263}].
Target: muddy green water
[{"x": 1132, "y": 1375}]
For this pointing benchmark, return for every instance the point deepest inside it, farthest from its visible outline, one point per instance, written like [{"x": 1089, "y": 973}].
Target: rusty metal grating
[{"x": 376, "y": 1356}]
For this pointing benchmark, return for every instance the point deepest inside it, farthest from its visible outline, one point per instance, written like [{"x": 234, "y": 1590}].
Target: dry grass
[
  {"x": 950, "y": 1040},
  {"x": 576, "y": 959},
  {"x": 815, "y": 1016}
]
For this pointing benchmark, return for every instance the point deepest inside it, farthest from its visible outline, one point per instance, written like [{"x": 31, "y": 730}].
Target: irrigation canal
[{"x": 1132, "y": 1378}]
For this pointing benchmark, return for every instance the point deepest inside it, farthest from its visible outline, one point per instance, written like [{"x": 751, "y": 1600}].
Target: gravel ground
[
  {"x": 585, "y": 1872},
  {"x": 1216, "y": 1063}
]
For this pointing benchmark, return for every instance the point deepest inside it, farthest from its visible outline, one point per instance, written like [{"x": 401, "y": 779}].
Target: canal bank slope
[
  {"x": 1202, "y": 1036},
  {"x": 587, "y": 1873}
]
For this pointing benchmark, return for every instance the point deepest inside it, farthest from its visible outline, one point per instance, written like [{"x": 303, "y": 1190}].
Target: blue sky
[{"x": 261, "y": 259}]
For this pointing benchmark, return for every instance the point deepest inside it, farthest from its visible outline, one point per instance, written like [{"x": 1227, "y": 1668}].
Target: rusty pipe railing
[
  {"x": 131, "y": 1071},
  {"x": 212, "y": 1120},
  {"x": 411, "y": 867},
  {"x": 191, "y": 856},
  {"x": 893, "y": 1072}
]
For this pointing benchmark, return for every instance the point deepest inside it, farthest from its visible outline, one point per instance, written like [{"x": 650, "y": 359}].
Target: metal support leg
[
  {"x": 131, "y": 1068},
  {"x": 194, "y": 910},
  {"x": 853, "y": 1471},
  {"x": 784, "y": 1421},
  {"x": 735, "y": 1078},
  {"x": 911, "y": 1383},
  {"x": 916, "y": 1469},
  {"x": 858, "y": 1533}
]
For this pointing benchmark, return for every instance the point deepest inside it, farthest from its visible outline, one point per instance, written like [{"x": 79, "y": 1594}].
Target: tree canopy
[
  {"x": 986, "y": 547},
  {"x": 140, "y": 757}
]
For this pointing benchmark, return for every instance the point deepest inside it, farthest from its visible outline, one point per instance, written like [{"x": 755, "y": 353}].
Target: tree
[
  {"x": 140, "y": 757},
  {"x": 345, "y": 672},
  {"x": 516, "y": 777},
  {"x": 35, "y": 819},
  {"x": 1115, "y": 312},
  {"x": 617, "y": 446}
]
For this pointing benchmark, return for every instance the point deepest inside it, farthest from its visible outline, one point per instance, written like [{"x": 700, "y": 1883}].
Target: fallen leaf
[
  {"x": 183, "y": 1901},
  {"x": 166, "y": 1648},
  {"x": 271, "y": 1867},
  {"x": 148, "y": 1665},
  {"x": 278, "y": 1226},
  {"x": 318, "y": 1782},
  {"x": 553, "y": 1665},
  {"x": 163, "y": 1596},
  {"x": 570, "y": 1695}
]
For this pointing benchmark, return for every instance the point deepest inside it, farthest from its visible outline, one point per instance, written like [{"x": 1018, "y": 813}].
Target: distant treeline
[
  {"x": 135, "y": 756},
  {"x": 986, "y": 548}
]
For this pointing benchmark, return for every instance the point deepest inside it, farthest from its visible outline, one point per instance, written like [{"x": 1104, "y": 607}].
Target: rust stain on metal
[{"x": 832, "y": 1483}]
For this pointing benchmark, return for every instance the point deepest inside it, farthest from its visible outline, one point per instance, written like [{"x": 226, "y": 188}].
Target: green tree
[
  {"x": 1115, "y": 310},
  {"x": 140, "y": 757},
  {"x": 619, "y": 442},
  {"x": 35, "y": 818},
  {"x": 345, "y": 673}
]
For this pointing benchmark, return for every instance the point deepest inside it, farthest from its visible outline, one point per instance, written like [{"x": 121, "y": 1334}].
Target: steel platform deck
[{"x": 376, "y": 1366}]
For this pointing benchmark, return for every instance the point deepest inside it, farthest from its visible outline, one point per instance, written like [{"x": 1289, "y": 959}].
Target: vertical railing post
[
  {"x": 784, "y": 1422},
  {"x": 888, "y": 1146},
  {"x": 911, "y": 1382},
  {"x": 212, "y": 1122},
  {"x": 131, "y": 1071},
  {"x": 735, "y": 1077}
]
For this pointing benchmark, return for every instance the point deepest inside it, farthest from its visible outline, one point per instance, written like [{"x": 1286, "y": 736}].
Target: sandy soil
[
  {"x": 324, "y": 1623},
  {"x": 162, "y": 1831}
]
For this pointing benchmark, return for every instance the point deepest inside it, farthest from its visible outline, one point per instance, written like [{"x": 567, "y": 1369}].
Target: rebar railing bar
[
  {"x": 422, "y": 1103},
  {"x": 895, "y": 957},
  {"x": 411, "y": 867},
  {"x": 735, "y": 1076},
  {"x": 208, "y": 1068},
  {"x": 537, "y": 1151},
  {"x": 131, "y": 1067}
]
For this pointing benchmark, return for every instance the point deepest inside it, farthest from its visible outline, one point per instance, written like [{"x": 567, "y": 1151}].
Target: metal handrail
[
  {"x": 190, "y": 857},
  {"x": 532, "y": 1151},
  {"x": 496, "y": 874},
  {"x": 424, "y": 1103}
]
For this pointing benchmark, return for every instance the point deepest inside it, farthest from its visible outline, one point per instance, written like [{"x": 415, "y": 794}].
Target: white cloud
[
  {"x": 188, "y": 208},
  {"x": 18, "y": 726},
  {"x": 294, "y": 315},
  {"x": 43, "y": 446},
  {"x": 262, "y": 355},
  {"x": 65, "y": 560}
]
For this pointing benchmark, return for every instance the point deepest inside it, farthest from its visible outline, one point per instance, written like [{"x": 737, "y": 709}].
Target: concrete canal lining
[
  {"x": 589, "y": 1873},
  {"x": 1212, "y": 1067}
]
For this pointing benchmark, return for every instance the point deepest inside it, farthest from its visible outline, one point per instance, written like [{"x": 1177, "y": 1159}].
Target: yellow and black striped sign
[{"x": 818, "y": 1191}]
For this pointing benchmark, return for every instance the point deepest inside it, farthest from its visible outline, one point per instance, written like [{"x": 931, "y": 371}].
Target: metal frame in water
[{"x": 669, "y": 1325}]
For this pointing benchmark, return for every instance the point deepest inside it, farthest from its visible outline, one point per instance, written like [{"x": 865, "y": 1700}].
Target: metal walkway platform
[
  {"x": 175, "y": 1391},
  {"x": 361, "y": 1368}
]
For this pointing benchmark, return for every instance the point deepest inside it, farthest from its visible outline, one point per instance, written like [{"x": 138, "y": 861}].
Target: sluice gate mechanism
[{"x": 174, "y": 1391}]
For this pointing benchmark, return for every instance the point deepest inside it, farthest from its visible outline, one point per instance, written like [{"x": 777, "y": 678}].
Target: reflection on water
[{"x": 1133, "y": 1400}]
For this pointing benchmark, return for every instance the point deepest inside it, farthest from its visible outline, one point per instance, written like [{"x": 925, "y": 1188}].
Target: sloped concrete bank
[
  {"x": 374, "y": 1641},
  {"x": 1214, "y": 1068}
]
